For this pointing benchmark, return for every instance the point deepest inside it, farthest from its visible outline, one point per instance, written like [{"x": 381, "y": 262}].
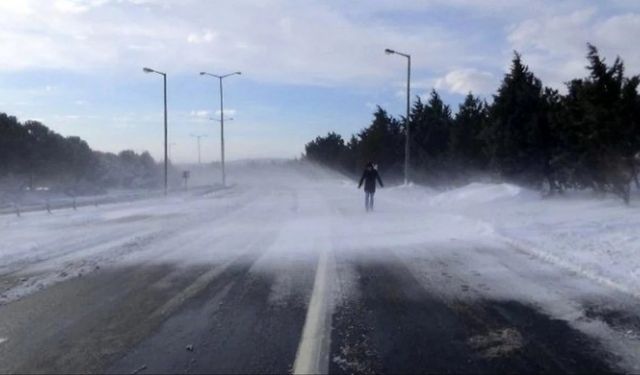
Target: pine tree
[
  {"x": 603, "y": 124},
  {"x": 328, "y": 150},
  {"x": 430, "y": 126},
  {"x": 466, "y": 144},
  {"x": 518, "y": 132},
  {"x": 381, "y": 142}
]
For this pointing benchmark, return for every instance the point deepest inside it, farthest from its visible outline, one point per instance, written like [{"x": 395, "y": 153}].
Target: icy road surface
[{"x": 285, "y": 272}]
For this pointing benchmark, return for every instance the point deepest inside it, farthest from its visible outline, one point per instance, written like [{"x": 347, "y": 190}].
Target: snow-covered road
[{"x": 286, "y": 272}]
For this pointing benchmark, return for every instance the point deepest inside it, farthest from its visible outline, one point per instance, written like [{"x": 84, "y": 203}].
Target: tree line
[
  {"x": 528, "y": 134},
  {"x": 32, "y": 156}
]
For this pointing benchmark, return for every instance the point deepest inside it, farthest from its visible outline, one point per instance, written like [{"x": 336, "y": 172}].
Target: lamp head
[
  {"x": 148, "y": 70},
  {"x": 203, "y": 73},
  {"x": 389, "y": 51}
]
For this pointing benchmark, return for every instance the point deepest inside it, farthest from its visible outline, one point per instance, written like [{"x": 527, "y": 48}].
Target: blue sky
[{"x": 309, "y": 67}]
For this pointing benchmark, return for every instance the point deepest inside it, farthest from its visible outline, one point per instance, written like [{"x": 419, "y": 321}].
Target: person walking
[{"x": 369, "y": 177}]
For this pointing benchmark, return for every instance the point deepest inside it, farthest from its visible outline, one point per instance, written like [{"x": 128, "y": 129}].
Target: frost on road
[{"x": 285, "y": 272}]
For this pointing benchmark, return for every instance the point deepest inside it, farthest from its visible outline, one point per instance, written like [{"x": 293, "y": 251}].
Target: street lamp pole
[
  {"x": 171, "y": 144},
  {"x": 224, "y": 176},
  {"x": 221, "y": 121},
  {"x": 406, "y": 141},
  {"x": 220, "y": 78},
  {"x": 164, "y": 77},
  {"x": 198, "y": 136}
]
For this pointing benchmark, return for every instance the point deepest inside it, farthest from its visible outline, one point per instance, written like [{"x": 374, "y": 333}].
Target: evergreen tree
[
  {"x": 466, "y": 144},
  {"x": 530, "y": 134},
  {"x": 33, "y": 154},
  {"x": 381, "y": 142},
  {"x": 603, "y": 126},
  {"x": 352, "y": 159},
  {"x": 328, "y": 150},
  {"x": 518, "y": 128},
  {"x": 430, "y": 126}
]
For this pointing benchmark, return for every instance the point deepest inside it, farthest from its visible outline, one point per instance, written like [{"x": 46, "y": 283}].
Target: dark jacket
[{"x": 369, "y": 178}]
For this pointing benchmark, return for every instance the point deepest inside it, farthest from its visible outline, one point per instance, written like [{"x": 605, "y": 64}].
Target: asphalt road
[{"x": 283, "y": 287}]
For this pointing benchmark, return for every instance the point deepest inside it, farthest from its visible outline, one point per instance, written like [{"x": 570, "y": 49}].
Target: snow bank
[
  {"x": 598, "y": 238},
  {"x": 482, "y": 193}
]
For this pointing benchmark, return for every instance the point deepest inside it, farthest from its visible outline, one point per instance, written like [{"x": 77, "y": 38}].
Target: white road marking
[
  {"x": 200, "y": 283},
  {"x": 3, "y": 340},
  {"x": 313, "y": 350}
]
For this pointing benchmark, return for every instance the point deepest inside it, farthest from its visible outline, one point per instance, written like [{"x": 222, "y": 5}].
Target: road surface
[{"x": 285, "y": 273}]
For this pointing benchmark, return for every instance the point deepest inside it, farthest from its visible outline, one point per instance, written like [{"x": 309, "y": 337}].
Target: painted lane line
[
  {"x": 3, "y": 340},
  {"x": 313, "y": 350},
  {"x": 201, "y": 283}
]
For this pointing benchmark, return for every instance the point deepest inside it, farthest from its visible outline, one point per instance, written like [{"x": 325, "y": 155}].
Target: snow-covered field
[{"x": 596, "y": 237}]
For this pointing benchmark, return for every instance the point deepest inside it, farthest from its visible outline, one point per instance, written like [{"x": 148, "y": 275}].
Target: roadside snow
[{"x": 596, "y": 237}]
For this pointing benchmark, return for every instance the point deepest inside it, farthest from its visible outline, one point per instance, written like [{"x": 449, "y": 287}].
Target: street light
[
  {"x": 220, "y": 78},
  {"x": 164, "y": 77},
  {"x": 171, "y": 144},
  {"x": 406, "y": 141},
  {"x": 221, "y": 120},
  {"x": 198, "y": 136}
]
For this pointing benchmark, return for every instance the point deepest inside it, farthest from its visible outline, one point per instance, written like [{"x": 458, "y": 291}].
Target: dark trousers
[{"x": 368, "y": 200}]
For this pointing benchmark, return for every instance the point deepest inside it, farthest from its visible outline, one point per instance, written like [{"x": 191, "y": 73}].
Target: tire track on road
[{"x": 398, "y": 326}]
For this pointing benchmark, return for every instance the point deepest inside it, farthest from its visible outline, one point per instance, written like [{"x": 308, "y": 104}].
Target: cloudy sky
[{"x": 308, "y": 66}]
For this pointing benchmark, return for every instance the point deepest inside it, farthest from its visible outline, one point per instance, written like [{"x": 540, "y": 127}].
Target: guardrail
[{"x": 51, "y": 205}]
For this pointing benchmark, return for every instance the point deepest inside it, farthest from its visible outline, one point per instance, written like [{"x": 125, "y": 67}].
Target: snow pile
[
  {"x": 481, "y": 193},
  {"x": 596, "y": 237}
]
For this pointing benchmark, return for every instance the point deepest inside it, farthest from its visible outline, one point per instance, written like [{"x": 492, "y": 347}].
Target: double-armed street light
[
  {"x": 164, "y": 76},
  {"x": 220, "y": 78},
  {"x": 198, "y": 136},
  {"x": 406, "y": 143}
]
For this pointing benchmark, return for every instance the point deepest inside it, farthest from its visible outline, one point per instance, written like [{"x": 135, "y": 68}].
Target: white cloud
[
  {"x": 613, "y": 36},
  {"x": 68, "y": 6},
  {"x": 15, "y": 8},
  {"x": 555, "y": 47},
  {"x": 566, "y": 31},
  {"x": 77, "y": 6},
  {"x": 322, "y": 43},
  {"x": 200, "y": 114},
  {"x": 227, "y": 112},
  {"x": 206, "y": 36},
  {"x": 463, "y": 81},
  {"x": 282, "y": 41}
]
